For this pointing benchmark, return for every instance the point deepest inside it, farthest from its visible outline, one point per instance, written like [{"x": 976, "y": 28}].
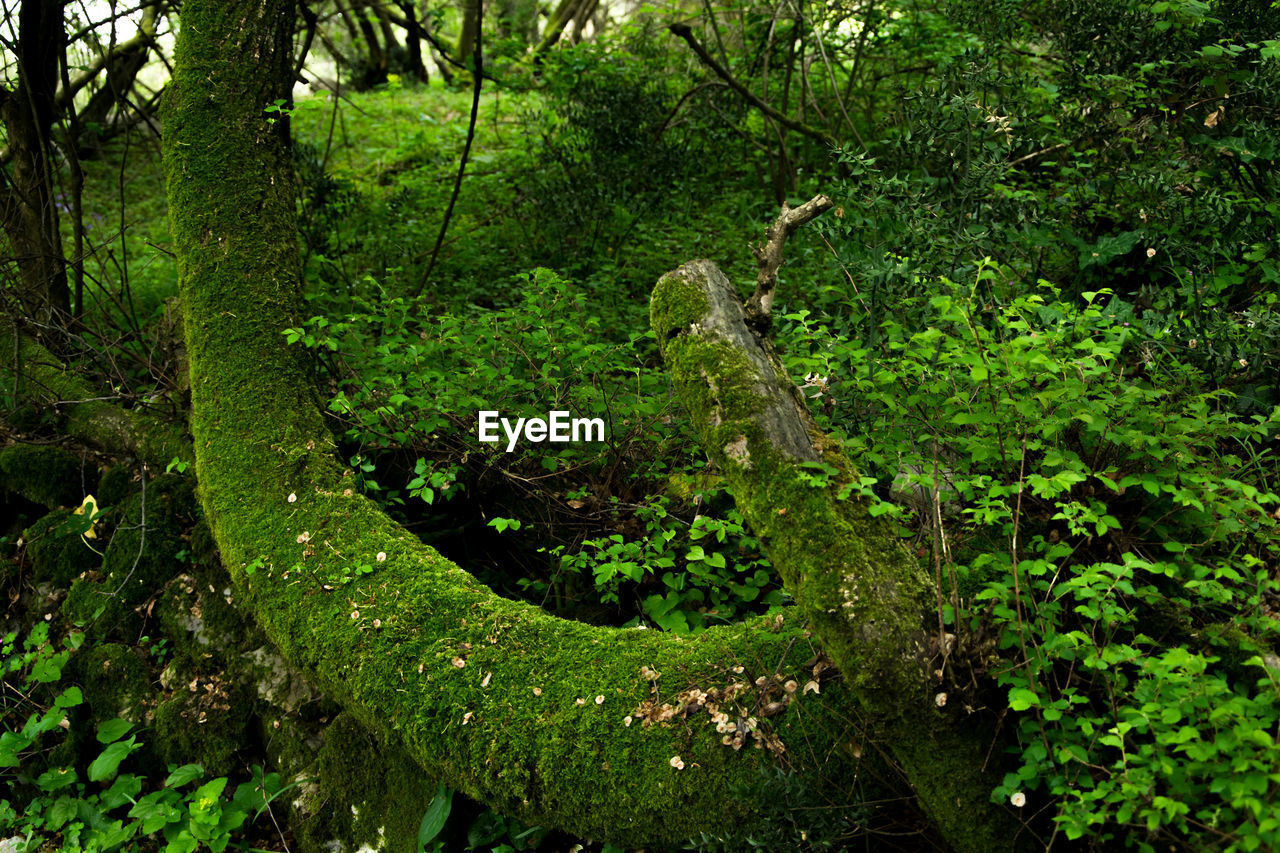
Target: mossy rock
[
  {"x": 383, "y": 794},
  {"x": 57, "y": 554},
  {"x": 204, "y": 550},
  {"x": 291, "y": 744},
  {"x": 116, "y": 682},
  {"x": 66, "y": 752},
  {"x": 206, "y": 726},
  {"x": 143, "y": 554},
  {"x": 49, "y": 476},
  {"x": 94, "y": 605},
  {"x": 117, "y": 485},
  {"x": 197, "y": 615}
]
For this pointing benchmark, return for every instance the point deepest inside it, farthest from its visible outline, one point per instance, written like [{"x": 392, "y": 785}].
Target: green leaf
[
  {"x": 184, "y": 774},
  {"x": 155, "y": 812},
  {"x": 1020, "y": 698},
  {"x": 105, "y": 765},
  {"x": 69, "y": 698},
  {"x": 112, "y": 730},
  {"x": 62, "y": 810},
  {"x": 124, "y": 790},
  {"x": 56, "y": 778},
  {"x": 182, "y": 842},
  {"x": 206, "y": 796},
  {"x": 434, "y": 818}
]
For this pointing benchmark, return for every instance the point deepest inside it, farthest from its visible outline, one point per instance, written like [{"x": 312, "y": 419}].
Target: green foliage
[
  {"x": 1125, "y": 147},
  {"x": 710, "y": 571},
  {"x": 406, "y": 387},
  {"x": 607, "y": 160},
  {"x": 1111, "y": 525},
  {"x": 101, "y": 805},
  {"x": 408, "y": 374},
  {"x": 434, "y": 818}
]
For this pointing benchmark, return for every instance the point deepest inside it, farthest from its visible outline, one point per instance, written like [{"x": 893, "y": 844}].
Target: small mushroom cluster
[{"x": 736, "y": 710}]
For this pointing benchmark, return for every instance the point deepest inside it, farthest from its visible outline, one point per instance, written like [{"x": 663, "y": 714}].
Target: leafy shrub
[
  {"x": 51, "y": 801},
  {"x": 1127, "y": 147},
  {"x": 710, "y": 570},
  {"x": 1105, "y": 537}
]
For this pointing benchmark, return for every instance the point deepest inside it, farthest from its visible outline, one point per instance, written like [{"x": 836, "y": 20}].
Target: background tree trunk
[{"x": 28, "y": 206}]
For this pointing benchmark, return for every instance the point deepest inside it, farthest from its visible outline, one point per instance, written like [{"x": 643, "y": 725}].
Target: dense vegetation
[{"x": 1040, "y": 319}]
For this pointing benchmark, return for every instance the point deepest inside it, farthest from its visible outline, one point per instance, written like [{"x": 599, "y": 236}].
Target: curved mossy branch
[
  {"x": 31, "y": 375},
  {"x": 537, "y": 717},
  {"x": 857, "y": 586}
]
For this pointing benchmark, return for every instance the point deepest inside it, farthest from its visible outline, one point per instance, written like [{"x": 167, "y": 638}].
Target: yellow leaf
[{"x": 89, "y": 507}]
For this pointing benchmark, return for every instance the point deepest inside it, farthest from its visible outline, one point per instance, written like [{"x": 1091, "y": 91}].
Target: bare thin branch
[{"x": 769, "y": 256}]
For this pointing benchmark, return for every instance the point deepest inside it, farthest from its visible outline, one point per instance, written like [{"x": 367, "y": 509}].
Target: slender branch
[
  {"x": 477, "y": 74},
  {"x": 683, "y": 31},
  {"x": 769, "y": 256},
  {"x": 312, "y": 21}
]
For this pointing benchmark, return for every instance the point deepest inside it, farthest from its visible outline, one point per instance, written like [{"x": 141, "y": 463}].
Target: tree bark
[
  {"x": 590, "y": 729},
  {"x": 377, "y": 63},
  {"x": 413, "y": 39},
  {"x": 564, "y": 14},
  {"x": 471, "y": 11}
]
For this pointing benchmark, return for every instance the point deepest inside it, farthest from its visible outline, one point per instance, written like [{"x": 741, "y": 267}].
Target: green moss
[
  {"x": 98, "y": 607},
  {"x": 204, "y": 550},
  {"x": 685, "y": 487},
  {"x": 292, "y": 744},
  {"x": 678, "y": 302},
  {"x": 382, "y": 795},
  {"x": 205, "y": 726},
  {"x": 50, "y": 476},
  {"x": 853, "y": 580},
  {"x": 58, "y": 555},
  {"x": 117, "y": 484},
  {"x": 66, "y": 752},
  {"x": 115, "y": 681},
  {"x": 479, "y": 690},
  {"x": 196, "y": 614},
  {"x": 150, "y": 534}
]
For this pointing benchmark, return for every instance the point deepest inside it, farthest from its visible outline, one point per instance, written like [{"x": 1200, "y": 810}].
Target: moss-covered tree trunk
[
  {"x": 627, "y": 735},
  {"x": 854, "y": 582}
]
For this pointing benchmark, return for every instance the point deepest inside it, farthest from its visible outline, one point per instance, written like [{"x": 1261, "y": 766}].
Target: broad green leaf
[
  {"x": 434, "y": 819},
  {"x": 1020, "y": 698},
  {"x": 105, "y": 765},
  {"x": 112, "y": 730},
  {"x": 184, "y": 774}
]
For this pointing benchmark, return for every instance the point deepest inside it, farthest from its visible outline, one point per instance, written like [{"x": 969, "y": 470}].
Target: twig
[
  {"x": 683, "y": 31},
  {"x": 1025, "y": 157},
  {"x": 478, "y": 81},
  {"x": 769, "y": 256}
]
